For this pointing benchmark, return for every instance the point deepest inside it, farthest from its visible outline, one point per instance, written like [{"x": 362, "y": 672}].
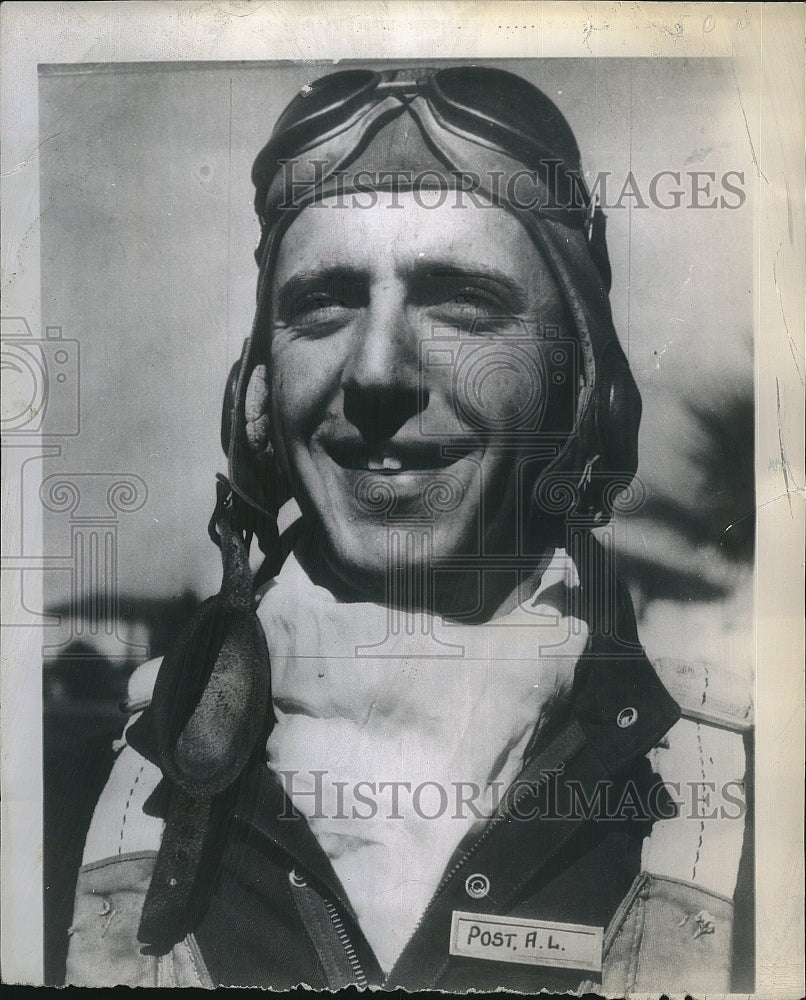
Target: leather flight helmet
[{"x": 474, "y": 121}]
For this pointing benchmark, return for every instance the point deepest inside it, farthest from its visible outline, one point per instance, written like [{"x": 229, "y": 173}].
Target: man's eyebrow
[{"x": 456, "y": 271}]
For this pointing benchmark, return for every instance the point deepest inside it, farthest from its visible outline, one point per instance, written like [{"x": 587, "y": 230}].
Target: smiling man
[{"x": 422, "y": 748}]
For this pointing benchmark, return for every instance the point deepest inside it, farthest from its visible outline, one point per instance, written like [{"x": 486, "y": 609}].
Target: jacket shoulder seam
[
  {"x": 652, "y": 877},
  {"x": 114, "y": 859}
]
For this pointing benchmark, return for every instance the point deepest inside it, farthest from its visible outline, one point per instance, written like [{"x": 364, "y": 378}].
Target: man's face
[{"x": 408, "y": 359}]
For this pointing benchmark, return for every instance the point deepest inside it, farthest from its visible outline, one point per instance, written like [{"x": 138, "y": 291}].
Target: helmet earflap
[
  {"x": 254, "y": 472},
  {"x": 256, "y": 415},
  {"x": 600, "y": 458},
  {"x": 584, "y": 482}
]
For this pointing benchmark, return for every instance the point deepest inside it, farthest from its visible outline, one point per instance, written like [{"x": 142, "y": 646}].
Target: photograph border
[{"x": 765, "y": 43}]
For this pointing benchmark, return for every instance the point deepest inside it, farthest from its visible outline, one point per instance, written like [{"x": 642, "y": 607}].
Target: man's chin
[
  {"x": 385, "y": 563},
  {"x": 353, "y": 571}
]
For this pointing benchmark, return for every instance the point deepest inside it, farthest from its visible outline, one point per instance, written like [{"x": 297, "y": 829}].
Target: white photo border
[{"x": 765, "y": 43}]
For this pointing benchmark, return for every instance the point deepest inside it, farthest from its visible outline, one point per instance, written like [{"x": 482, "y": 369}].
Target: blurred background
[{"x": 148, "y": 277}]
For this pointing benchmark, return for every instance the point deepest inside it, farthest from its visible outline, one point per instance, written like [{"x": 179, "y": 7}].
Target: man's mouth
[
  {"x": 386, "y": 464},
  {"x": 397, "y": 457}
]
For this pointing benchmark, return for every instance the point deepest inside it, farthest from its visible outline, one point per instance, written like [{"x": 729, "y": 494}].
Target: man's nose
[{"x": 381, "y": 380}]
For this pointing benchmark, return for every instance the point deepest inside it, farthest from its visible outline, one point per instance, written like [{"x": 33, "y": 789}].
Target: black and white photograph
[{"x": 403, "y": 497}]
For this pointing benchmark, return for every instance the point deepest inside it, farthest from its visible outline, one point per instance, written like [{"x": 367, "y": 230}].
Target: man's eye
[
  {"x": 319, "y": 307},
  {"x": 470, "y": 300},
  {"x": 469, "y": 307},
  {"x": 316, "y": 301}
]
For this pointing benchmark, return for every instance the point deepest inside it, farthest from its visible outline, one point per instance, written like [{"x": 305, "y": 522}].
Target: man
[{"x": 423, "y": 748}]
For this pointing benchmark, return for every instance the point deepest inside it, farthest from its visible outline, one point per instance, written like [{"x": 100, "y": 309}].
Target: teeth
[{"x": 376, "y": 464}]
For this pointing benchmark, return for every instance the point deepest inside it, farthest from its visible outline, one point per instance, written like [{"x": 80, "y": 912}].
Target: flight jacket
[{"x": 596, "y": 835}]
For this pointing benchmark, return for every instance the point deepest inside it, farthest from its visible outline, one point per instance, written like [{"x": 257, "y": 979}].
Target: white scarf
[{"x": 369, "y": 695}]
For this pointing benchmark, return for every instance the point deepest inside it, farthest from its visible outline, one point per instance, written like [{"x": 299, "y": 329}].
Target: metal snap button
[
  {"x": 296, "y": 880},
  {"x": 626, "y": 717},
  {"x": 477, "y": 885}
]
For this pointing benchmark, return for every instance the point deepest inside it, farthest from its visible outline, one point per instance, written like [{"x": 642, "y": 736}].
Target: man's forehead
[{"x": 402, "y": 234}]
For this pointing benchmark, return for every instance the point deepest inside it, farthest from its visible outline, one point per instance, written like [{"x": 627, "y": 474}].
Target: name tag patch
[{"x": 529, "y": 942}]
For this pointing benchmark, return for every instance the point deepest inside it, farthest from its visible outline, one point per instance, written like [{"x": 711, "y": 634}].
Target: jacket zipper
[
  {"x": 338, "y": 926},
  {"x": 361, "y": 980},
  {"x": 494, "y": 823}
]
